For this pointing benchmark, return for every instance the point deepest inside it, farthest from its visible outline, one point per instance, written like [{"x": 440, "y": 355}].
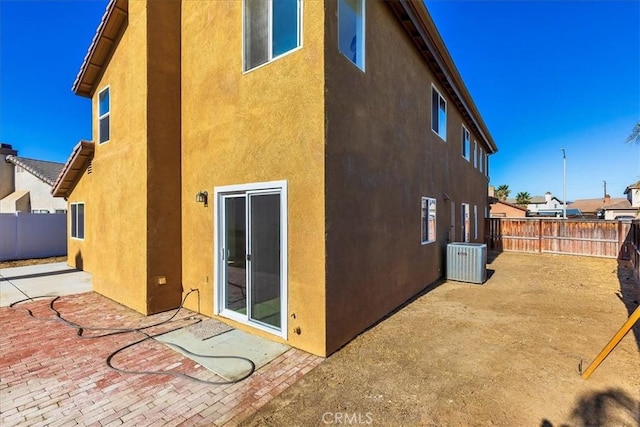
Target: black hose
[{"x": 115, "y": 331}]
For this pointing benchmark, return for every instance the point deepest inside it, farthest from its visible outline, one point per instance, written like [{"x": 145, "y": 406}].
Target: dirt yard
[{"x": 504, "y": 353}]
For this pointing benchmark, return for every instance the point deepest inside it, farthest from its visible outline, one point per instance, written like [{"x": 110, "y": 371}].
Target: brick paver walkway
[{"x": 50, "y": 376}]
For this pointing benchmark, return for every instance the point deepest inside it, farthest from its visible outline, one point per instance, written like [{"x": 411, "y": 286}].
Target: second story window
[
  {"x": 271, "y": 29},
  {"x": 475, "y": 154},
  {"x": 351, "y": 30},
  {"x": 438, "y": 113},
  {"x": 466, "y": 144},
  {"x": 104, "y": 110},
  {"x": 486, "y": 164}
]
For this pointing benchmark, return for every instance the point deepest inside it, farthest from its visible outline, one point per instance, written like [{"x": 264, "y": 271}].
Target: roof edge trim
[{"x": 71, "y": 172}]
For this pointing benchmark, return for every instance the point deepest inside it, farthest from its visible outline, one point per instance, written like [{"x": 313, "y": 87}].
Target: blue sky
[
  {"x": 548, "y": 75},
  {"x": 545, "y": 75}
]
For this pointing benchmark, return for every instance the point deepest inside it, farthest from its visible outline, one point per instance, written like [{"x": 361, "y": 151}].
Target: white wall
[
  {"x": 613, "y": 214},
  {"x": 39, "y": 192},
  {"x": 634, "y": 198},
  {"x": 26, "y": 235}
]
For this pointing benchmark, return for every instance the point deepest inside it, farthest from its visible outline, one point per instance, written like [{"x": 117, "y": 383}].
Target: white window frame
[
  {"x": 481, "y": 159},
  {"x": 362, "y": 43},
  {"x": 73, "y": 232},
  {"x": 452, "y": 219},
  {"x": 475, "y": 154},
  {"x": 465, "y": 213},
  {"x": 256, "y": 187},
  {"x": 486, "y": 164},
  {"x": 106, "y": 115},
  {"x": 271, "y": 58},
  {"x": 466, "y": 144},
  {"x": 425, "y": 230},
  {"x": 475, "y": 222},
  {"x": 442, "y": 130}
]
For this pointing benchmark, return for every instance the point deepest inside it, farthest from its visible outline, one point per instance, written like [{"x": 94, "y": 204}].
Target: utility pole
[
  {"x": 605, "y": 189},
  {"x": 564, "y": 183}
]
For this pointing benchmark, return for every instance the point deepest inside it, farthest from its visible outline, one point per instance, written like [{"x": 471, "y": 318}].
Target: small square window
[
  {"x": 351, "y": 30},
  {"x": 438, "y": 113},
  {"x": 104, "y": 113},
  {"x": 428, "y": 220}
]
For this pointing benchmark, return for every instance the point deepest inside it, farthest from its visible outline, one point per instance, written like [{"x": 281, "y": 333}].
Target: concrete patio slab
[
  {"x": 230, "y": 351},
  {"x": 55, "y": 279}
]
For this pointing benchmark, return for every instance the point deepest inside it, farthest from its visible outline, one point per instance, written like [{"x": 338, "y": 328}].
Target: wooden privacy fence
[{"x": 559, "y": 236}]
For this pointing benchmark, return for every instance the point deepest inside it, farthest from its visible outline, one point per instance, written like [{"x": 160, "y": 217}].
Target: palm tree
[
  {"x": 635, "y": 134},
  {"x": 502, "y": 192},
  {"x": 523, "y": 198}
]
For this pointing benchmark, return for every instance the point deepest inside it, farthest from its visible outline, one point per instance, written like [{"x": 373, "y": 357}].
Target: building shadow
[
  {"x": 44, "y": 274},
  {"x": 492, "y": 255},
  {"x": 493, "y": 238},
  {"x": 612, "y": 407},
  {"x": 79, "y": 261}
]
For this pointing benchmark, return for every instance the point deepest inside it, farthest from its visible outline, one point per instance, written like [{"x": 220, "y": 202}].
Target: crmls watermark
[{"x": 347, "y": 418}]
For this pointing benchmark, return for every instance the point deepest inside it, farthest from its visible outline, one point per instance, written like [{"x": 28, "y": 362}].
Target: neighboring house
[
  {"x": 503, "y": 209},
  {"x": 25, "y": 184},
  {"x": 620, "y": 209},
  {"x": 633, "y": 194},
  {"x": 594, "y": 207},
  {"x": 306, "y": 189},
  {"x": 547, "y": 203}
]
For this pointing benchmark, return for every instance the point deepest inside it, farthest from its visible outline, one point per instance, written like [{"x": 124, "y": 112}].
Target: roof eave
[
  {"x": 73, "y": 168},
  {"x": 415, "y": 19},
  {"x": 101, "y": 48}
]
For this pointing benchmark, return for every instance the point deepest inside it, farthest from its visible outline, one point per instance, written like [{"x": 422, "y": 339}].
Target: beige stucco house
[
  {"x": 25, "y": 184},
  {"x": 633, "y": 194},
  {"x": 302, "y": 164}
]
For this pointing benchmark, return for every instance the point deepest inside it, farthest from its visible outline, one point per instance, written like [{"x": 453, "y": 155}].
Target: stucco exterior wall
[
  {"x": 381, "y": 158},
  {"x": 500, "y": 210},
  {"x": 615, "y": 213},
  {"x": 164, "y": 262},
  {"x": 263, "y": 125},
  {"x": 114, "y": 249},
  {"x": 39, "y": 192},
  {"x": 7, "y": 173},
  {"x": 634, "y": 197}
]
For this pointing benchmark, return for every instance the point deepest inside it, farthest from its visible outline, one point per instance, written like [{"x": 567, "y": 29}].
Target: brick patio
[{"x": 50, "y": 376}]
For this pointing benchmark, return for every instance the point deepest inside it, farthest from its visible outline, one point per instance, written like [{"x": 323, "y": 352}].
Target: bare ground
[{"x": 503, "y": 353}]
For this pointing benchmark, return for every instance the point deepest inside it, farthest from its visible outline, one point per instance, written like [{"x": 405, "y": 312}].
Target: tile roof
[
  {"x": 76, "y": 164},
  {"x": 503, "y": 202},
  {"x": 625, "y": 204},
  {"x": 45, "y": 171},
  {"x": 593, "y": 205},
  {"x": 636, "y": 185},
  {"x": 102, "y": 46}
]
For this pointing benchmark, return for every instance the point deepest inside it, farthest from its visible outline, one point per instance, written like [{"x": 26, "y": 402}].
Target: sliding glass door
[{"x": 251, "y": 256}]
